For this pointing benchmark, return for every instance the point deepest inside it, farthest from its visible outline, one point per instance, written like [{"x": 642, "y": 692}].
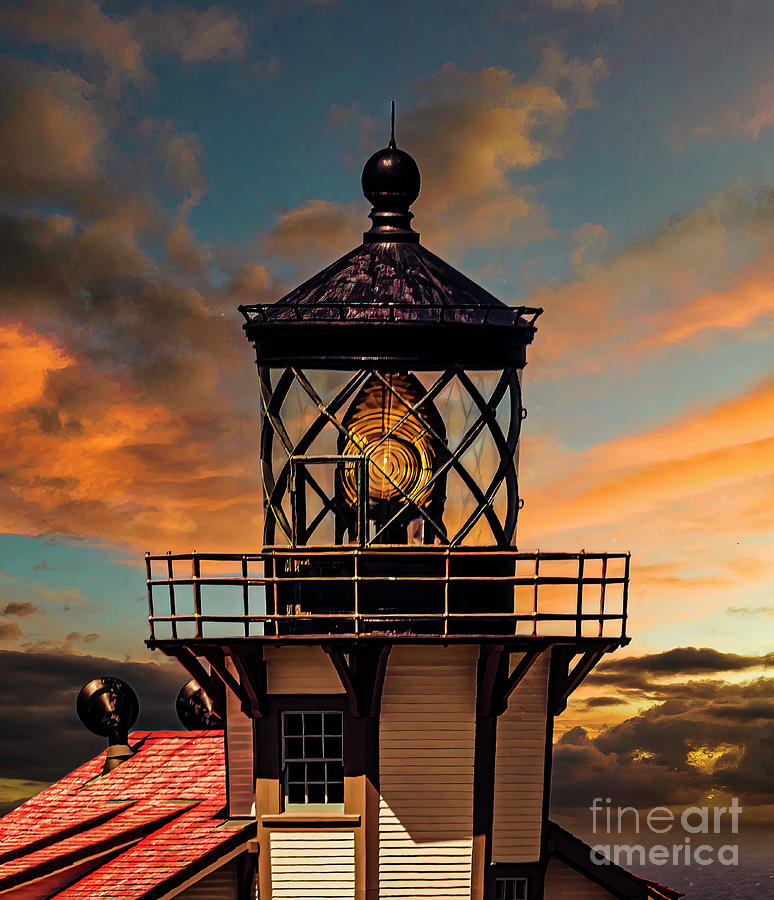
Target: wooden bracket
[
  {"x": 508, "y": 684},
  {"x": 566, "y": 680},
  {"x": 251, "y": 668},
  {"x": 249, "y": 684},
  {"x": 361, "y": 671},
  {"x": 491, "y": 662},
  {"x": 496, "y": 682}
]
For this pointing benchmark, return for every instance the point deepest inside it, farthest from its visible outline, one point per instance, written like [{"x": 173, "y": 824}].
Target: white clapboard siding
[
  {"x": 218, "y": 885},
  {"x": 520, "y": 768},
  {"x": 426, "y": 747},
  {"x": 564, "y": 883},
  {"x": 300, "y": 670},
  {"x": 312, "y": 865},
  {"x": 239, "y": 750}
]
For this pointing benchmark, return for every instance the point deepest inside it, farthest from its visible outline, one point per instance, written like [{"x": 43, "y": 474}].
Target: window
[
  {"x": 312, "y": 758},
  {"x": 511, "y": 889}
]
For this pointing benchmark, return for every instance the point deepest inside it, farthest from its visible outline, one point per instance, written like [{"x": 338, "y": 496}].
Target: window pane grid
[
  {"x": 312, "y": 757},
  {"x": 511, "y": 889}
]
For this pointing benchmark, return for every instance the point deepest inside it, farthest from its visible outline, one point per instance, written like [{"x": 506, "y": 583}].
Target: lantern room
[{"x": 390, "y": 392}]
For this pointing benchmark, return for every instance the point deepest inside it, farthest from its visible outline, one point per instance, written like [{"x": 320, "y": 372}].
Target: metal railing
[
  {"x": 376, "y": 311},
  {"x": 406, "y": 591}
]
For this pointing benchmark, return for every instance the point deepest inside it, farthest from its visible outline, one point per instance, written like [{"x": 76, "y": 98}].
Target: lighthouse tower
[{"x": 389, "y": 665}]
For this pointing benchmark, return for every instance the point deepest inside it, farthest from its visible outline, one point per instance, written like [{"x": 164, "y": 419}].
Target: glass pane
[
  {"x": 294, "y": 748},
  {"x": 333, "y": 748},
  {"x": 521, "y": 889},
  {"x": 313, "y": 723},
  {"x": 293, "y": 723},
  {"x": 315, "y": 771},
  {"x": 313, "y": 747},
  {"x": 335, "y": 771},
  {"x": 296, "y": 772},
  {"x": 333, "y": 723},
  {"x": 295, "y": 793},
  {"x": 335, "y": 792},
  {"x": 316, "y": 793}
]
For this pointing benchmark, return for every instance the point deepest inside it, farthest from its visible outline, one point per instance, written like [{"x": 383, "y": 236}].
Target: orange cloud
[
  {"x": 51, "y": 135},
  {"x": 116, "y": 466},
  {"x": 691, "y": 499},
  {"x": 26, "y": 360},
  {"x": 319, "y": 229},
  {"x": 748, "y": 117},
  {"x": 591, "y": 240},
  {"x": 192, "y": 35},
  {"x": 125, "y": 401},
  {"x": 702, "y": 272},
  {"x": 752, "y": 298},
  {"x": 710, "y": 449},
  {"x": 78, "y": 25},
  {"x": 122, "y": 44}
]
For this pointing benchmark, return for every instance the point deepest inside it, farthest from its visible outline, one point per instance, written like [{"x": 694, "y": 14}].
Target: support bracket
[
  {"x": 510, "y": 682},
  {"x": 567, "y": 679},
  {"x": 361, "y": 670},
  {"x": 249, "y": 684}
]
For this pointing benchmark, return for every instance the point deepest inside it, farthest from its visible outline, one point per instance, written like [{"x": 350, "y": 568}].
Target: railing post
[
  {"x": 602, "y": 589},
  {"x": 148, "y": 577},
  {"x": 357, "y": 593},
  {"x": 625, "y": 593},
  {"x": 535, "y": 594},
  {"x": 245, "y": 596},
  {"x": 579, "y": 602},
  {"x": 447, "y": 575},
  {"x": 171, "y": 577},
  {"x": 197, "y": 592}
]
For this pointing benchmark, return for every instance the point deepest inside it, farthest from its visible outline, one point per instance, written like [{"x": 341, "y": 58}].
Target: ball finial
[{"x": 391, "y": 183}]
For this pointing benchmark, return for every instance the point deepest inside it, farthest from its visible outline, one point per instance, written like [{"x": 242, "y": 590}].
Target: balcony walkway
[{"x": 401, "y": 593}]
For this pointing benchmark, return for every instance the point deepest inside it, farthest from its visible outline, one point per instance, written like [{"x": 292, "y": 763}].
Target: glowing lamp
[
  {"x": 397, "y": 443},
  {"x": 399, "y": 437}
]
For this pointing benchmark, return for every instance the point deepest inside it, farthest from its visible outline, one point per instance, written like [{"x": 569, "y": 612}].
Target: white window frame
[{"x": 306, "y": 805}]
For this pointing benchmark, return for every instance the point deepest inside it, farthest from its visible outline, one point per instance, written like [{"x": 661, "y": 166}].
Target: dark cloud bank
[
  {"x": 42, "y": 737},
  {"x": 698, "y": 737}
]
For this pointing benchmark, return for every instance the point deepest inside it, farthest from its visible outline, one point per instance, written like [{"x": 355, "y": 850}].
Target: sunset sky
[{"x": 609, "y": 160}]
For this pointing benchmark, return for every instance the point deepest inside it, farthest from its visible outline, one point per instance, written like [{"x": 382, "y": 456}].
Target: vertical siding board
[
  {"x": 520, "y": 769},
  {"x": 426, "y": 747},
  {"x": 239, "y": 754},
  {"x": 564, "y": 883},
  {"x": 300, "y": 670},
  {"x": 312, "y": 865}
]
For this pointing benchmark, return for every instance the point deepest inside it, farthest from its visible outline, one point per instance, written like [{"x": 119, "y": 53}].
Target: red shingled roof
[{"x": 150, "y": 823}]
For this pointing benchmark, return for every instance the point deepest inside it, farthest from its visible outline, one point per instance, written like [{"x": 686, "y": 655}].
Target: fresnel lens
[{"x": 394, "y": 440}]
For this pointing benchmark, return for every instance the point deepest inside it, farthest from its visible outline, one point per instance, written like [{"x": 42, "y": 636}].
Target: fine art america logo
[{"x": 682, "y": 829}]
